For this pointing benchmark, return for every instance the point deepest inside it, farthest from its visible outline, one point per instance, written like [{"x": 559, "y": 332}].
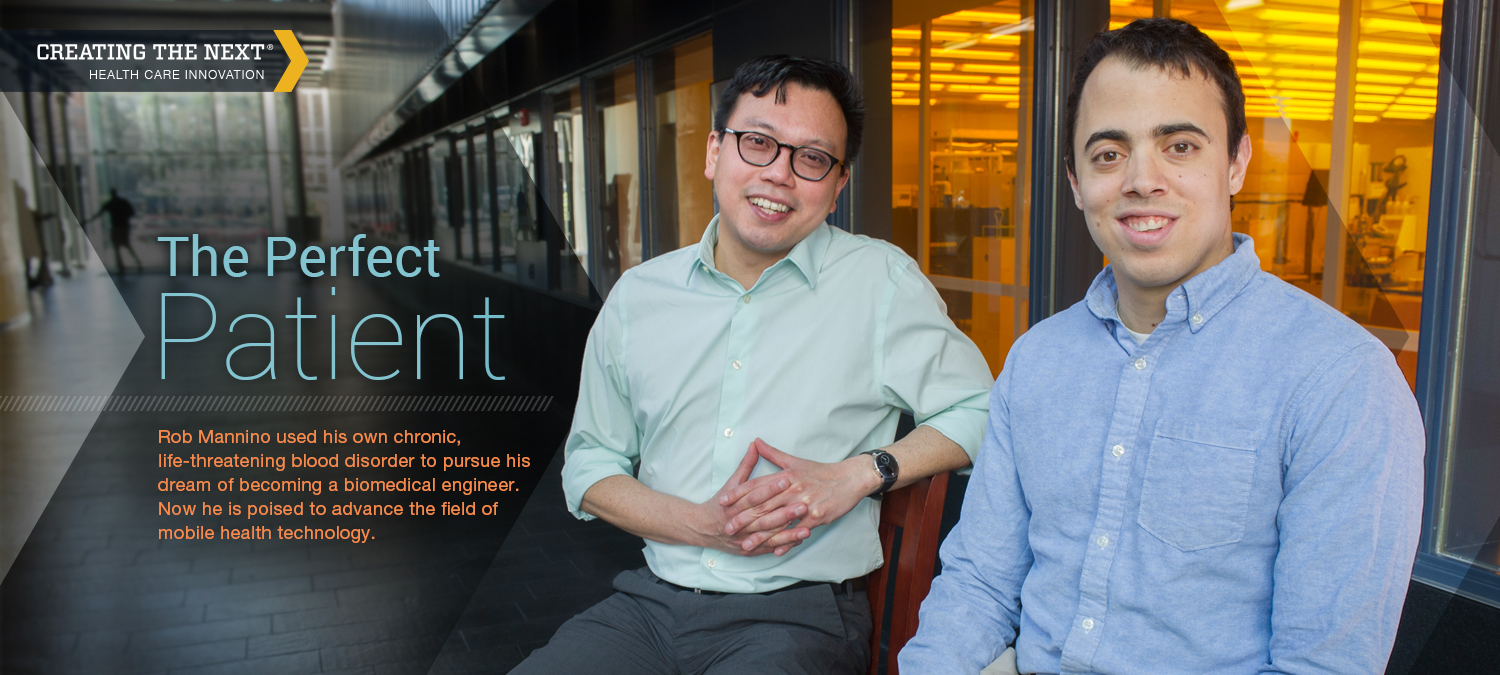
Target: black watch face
[{"x": 886, "y": 463}]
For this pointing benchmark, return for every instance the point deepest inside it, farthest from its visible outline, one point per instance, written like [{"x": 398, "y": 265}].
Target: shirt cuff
[
  {"x": 964, "y": 426},
  {"x": 583, "y": 469}
]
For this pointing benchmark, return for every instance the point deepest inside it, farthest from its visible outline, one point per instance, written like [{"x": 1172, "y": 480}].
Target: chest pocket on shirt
[{"x": 1196, "y": 493}]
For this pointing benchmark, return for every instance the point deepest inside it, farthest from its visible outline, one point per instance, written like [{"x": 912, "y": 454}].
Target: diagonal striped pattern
[{"x": 275, "y": 403}]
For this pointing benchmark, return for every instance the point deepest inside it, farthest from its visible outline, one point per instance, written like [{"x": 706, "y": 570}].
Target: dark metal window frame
[
  {"x": 1064, "y": 260},
  {"x": 1466, "y": 76}
]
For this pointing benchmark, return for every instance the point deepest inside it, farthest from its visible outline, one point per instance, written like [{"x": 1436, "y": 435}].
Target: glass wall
[
  {"x": 960, "y": 192},
  {"x": 223, "y": 170},
  {"x": 1351, "y": 231},
  {"x": 682, "y": 77},
  {"x": 617, "y": 173},
  {"x": 472, "y": 188}
]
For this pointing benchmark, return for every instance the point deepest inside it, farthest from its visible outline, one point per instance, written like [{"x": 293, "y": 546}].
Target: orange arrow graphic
[{"x": 299, "y": 60}]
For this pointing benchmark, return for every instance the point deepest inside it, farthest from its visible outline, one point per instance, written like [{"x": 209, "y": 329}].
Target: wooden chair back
[{"x": 916, "y": 511}]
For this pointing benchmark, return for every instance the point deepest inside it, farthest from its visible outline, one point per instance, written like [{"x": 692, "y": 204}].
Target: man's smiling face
[
  {"x": 766, "y": 210},
  {"x": 1153, "y": 174}
]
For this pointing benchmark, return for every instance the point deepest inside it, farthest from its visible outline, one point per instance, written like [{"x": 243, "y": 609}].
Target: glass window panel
[
  {"x": 387, "y": 199},
  {"x": 484, "y": 239},
  {"x": 398, "y": 197},
  {"x": 126, "y": 122},
  {"x": 238, "y": 122},
  {"x": 617, "y": 174},
  {"x": 960, "y": 199},
  {"x": 569, "y": 203},
  {"x": 1467, "y": 517},
  {"x": 682, "y": 78},
  {"x": 1287, "y": 56},
  {"x": 191, "y": 121},
  {"x": 351, "y": 199},
  {"x": 524, "y": 141},
  {"x": 239, "y": 192},
  {"x": 1465, "y": 510},
  {"x": 460, "y": 171},
  {"x": 438, "y": 156},
  {"x": 510, "y": 183},
  {"x": 366, "y": 200}
]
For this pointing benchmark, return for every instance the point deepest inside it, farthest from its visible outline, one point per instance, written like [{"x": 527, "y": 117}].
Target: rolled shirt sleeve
[
  {"x": 926, "y": 365},
  {"x": 603, "y": 441}
]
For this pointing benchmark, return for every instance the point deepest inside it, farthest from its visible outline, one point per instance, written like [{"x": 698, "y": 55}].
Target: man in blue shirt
[
  {"x": 1199, "y": 468},
  {"x": 739, "y": 402}
]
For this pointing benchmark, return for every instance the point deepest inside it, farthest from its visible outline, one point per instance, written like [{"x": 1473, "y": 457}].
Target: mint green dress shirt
[{"x": 684, "y": 368}]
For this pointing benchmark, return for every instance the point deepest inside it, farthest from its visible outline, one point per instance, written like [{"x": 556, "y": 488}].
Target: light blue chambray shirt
[
  {"x": 684, "y": 368},
  {"x": 1240, "y": 494}
]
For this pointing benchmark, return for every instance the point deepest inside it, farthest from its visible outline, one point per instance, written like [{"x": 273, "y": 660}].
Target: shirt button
[
  {"x": 1118, "y": 450},
  {"x": 746, "y": 298},
  {"x": 1140, "y": 364},
  {"x": 1197, "y": 319},
  {"x": 728, "y": 433},
  {"x": 712, "y": 563},
  {"x": 1088, "y": 624},
  {"x": 736, "y": 365},
  {"x": 1102, "y": 541}
]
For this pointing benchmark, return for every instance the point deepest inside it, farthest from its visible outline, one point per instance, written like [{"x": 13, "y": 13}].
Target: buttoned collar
[
  {"x": 1198, "y": 299},
  {"x": 807, "y": 256}
]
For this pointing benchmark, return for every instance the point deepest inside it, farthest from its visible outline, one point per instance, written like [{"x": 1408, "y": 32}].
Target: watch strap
[{"x": 886, "y": 467}]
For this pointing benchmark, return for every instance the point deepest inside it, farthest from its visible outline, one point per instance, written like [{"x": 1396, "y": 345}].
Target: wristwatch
[{"x": 887, "y": 467}]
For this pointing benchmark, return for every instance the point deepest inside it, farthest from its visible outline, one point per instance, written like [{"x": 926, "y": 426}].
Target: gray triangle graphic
[{"x": 76, "y": 338}]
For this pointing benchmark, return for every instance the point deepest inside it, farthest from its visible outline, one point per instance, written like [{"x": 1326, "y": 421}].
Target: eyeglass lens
[{"x": 807, "y": 163}]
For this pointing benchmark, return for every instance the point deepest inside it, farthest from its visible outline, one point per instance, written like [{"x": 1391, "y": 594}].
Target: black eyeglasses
[{"x": 808, "y": 163}]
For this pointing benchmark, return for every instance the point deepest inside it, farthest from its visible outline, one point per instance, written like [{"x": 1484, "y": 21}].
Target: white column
[
  {"x": 1339, "y": 171},
  {"x": 273, "y": 162}
]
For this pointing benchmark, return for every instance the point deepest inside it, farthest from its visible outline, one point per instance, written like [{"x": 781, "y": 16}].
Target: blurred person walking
[{"x": 120, "y": 212}]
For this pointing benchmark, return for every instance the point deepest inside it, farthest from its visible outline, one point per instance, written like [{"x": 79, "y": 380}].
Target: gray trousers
[{"x": 650, "y": 628}]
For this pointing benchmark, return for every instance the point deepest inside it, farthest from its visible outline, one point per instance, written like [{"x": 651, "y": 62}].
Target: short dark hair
[
  {"x": 1173, "y": 45},
  {"x": 760, "y": 76}
]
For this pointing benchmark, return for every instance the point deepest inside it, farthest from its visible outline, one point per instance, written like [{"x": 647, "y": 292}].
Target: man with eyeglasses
[{"x": 739, "y": 400}]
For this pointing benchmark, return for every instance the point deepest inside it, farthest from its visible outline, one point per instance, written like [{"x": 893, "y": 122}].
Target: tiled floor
[
  {"x": 94, "y": 590},
  {"x": 551, "y": 567},
  {"x": 80, "y": 339}
]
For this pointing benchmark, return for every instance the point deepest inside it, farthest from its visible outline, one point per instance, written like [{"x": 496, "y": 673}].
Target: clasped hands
[{"x": 775, "y": 512}]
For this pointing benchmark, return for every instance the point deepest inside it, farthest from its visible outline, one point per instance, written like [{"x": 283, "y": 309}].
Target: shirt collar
[
  {"x": 1200, "y": 297},
  {"x": 807, "y": 256}
]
